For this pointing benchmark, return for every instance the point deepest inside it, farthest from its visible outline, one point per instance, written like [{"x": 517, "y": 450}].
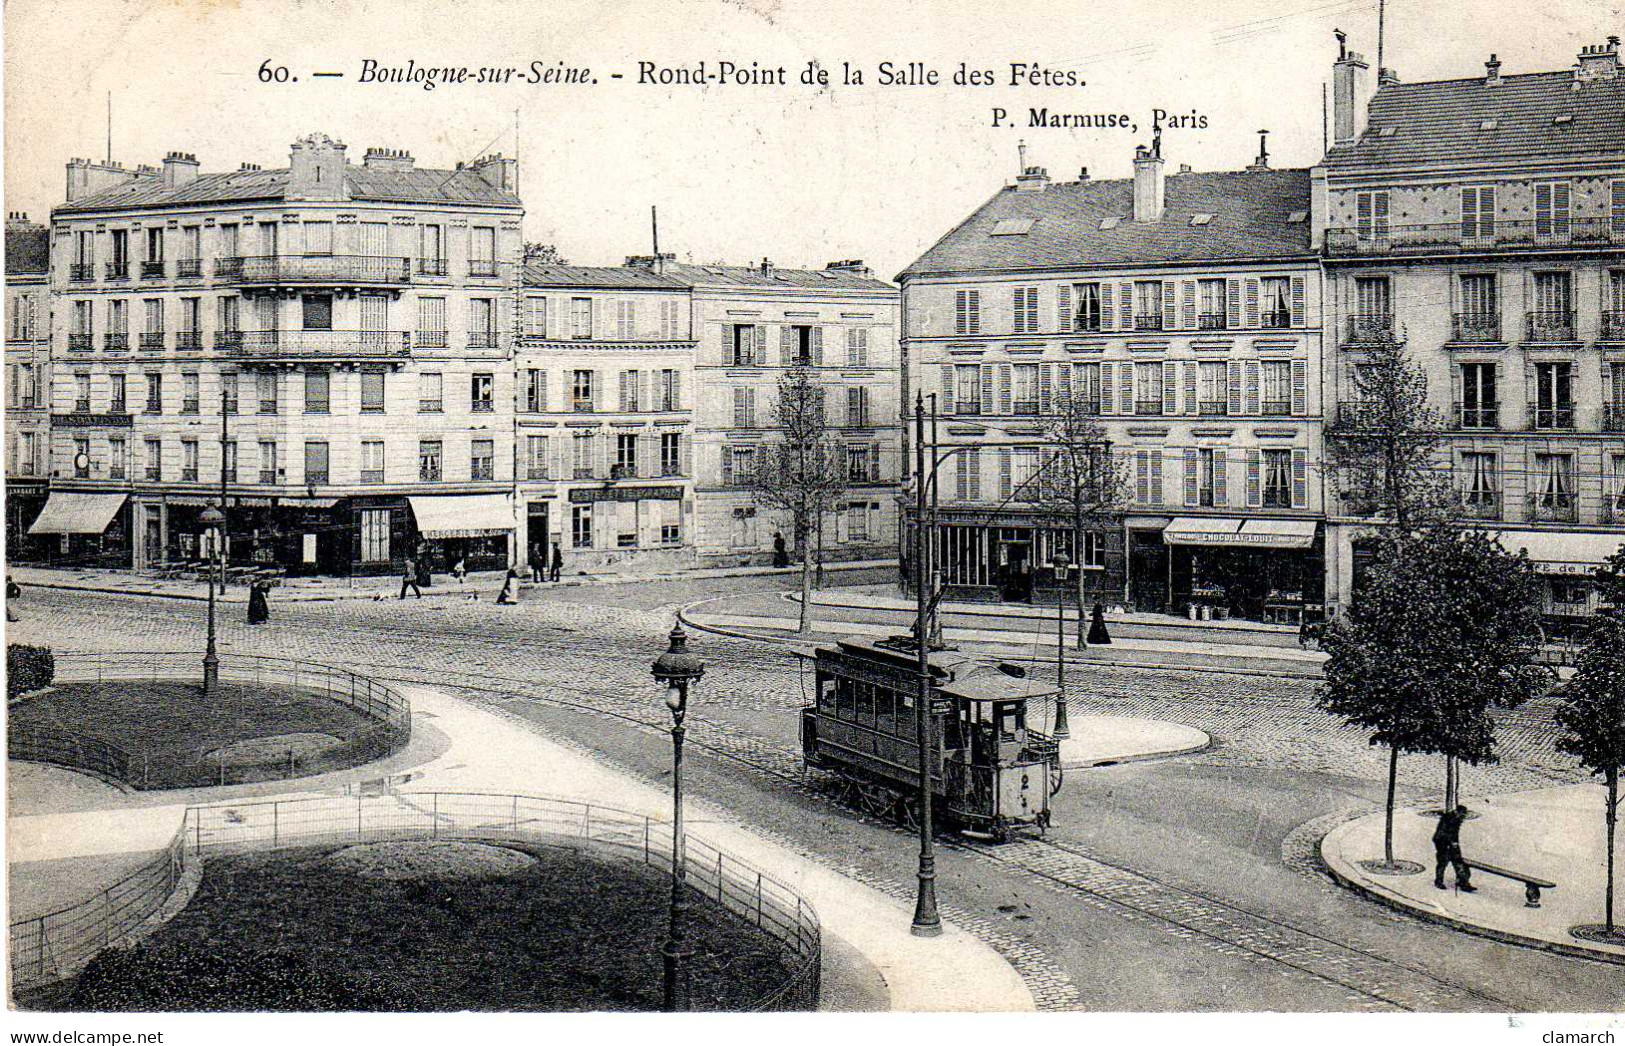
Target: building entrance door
[
  {"x": 154, "y": 534},
  {"x": 1148, "y": 571},
  {"x": 1015, "y": 564},
  {"x": 538, "y": 545}
]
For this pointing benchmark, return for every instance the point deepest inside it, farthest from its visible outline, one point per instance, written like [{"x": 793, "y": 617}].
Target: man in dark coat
[
  {"x": 409, "y": 578},
  {"x": 1447, "y": 850},
  {"x": 558, "y": 561},
  {"x": 781, "y": 556}
]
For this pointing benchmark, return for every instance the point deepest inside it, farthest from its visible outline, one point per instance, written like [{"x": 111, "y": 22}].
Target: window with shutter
[
  {"x": 1254, "y": 477},
  {"x": 1063, "y": 308},
  {"x": 1168, "y": 320},
  {"x": 1170, "y": 388},
  {"x": 1552, "y": 212},
  {"x": 1250, "y": 378},
  {"x": 1220, "y": 498},
  {"x": 1006, "y": 393},
  {"x": 1300, "y": 302},
  {"x": 1156, "y": 477},
  {"x": 1300, "y": 479},
  {"x": 1190, "y": 477},
  {"x": 1046, "y": 388},
  {"x": 1187, "y": 317},
  {"x": 1142, "y": 477},
  {"x": 1125, "y": 306},
  {"x": 1233, "y": 303},
  {"x": 1004, "y": 474},
  {"x": 1618, "y": 210},
  {"x": 1191, "y": 403},
  {"x": 1252, "y": 302},
  {"x": 1125, "y": 388},
  {"x": 1234, "y": 397},
  {"x": 987, "y": 379},
  {"x": 1108, "y": 399},
  {"x": 1300, "y": 387},
  {"x": 1108, "y": 319}
]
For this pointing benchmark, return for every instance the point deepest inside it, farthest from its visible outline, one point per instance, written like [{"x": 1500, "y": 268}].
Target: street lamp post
[
  {"x": 212, "y": 520},
  {"x": 927, "y": 923},
  {"x": 1061, "y": 561},
  {"x": 676, "y": 669}
]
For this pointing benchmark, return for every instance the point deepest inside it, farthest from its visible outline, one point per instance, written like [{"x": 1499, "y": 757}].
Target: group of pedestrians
[{"x": 542, "y": 566}]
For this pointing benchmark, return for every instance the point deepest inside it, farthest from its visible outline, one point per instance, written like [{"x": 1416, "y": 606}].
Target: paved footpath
[
  {"x": 1556, "y": 834},
  {"x": 491, "y": 752}
]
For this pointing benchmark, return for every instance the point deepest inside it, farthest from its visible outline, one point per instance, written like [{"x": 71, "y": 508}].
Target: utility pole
[{"x": 927, "y": 923}]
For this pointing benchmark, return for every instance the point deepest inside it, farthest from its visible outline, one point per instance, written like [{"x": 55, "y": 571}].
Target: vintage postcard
[{"x": 728, "y": 506}]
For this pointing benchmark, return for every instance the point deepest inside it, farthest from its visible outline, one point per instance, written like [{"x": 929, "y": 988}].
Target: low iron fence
[
  {"x": 53, "y": 947},
  {"x": 718, "y": 877},
  {"x": 388, "y": 716}
]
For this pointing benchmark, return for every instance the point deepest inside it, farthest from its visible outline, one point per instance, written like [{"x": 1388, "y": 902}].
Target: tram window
[
  {"x": 866, "y": 704},
  {"x": 1005, "y": 717},
  {"x": 826, "y": 695},
  {"x": 843, "y": 700},
  {"x": 885, "y": 710}
]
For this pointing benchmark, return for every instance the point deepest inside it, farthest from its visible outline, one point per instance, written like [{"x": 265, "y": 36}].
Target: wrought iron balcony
[
  {"x": 482, "y": 267},
  {"x": 1275, "y": 319},
  {"x": 973, "y": 406},
  {"x": 1366, "y": 327},
  {"x": 1613, "y": 417},
  {"x": 152, "y": 339},
  {"x": 1560, "y": 416},
  {"x": 1484, "y": 417},
  {"x": 1026, "y": 407},
  {"x": 79, "y": 342},
  {"x": 1211, "y": 321},
  {"x": 1148, "y": 407},
  {"x": 325, "y": 268},
  {"x": 189, "y": 268},
  {"x": 117, "y": 270},
  {"x": 152, "y": 270},
  {"x": 431, "y": 339},
  {"x": 1613, "y": 325},
  {"x": 188, "y": 341},
  {"x": 323, "y": 344},
  {"x": 1475, "y": 327},
  {"x": 1550, "y": 325},
  {"x": 1152, "y": 322},
  {"x": 228, "y": 268},
  {"x": 80, "y": 272},
  {"x": 432, "y": 267},
  {"x": 1276, "y": 408},
  {"x": 1213, "y": 408},
  {"x": 115, "y": 342},
  {"x": 1613, "y": 509},
  {"x": 1481, "y": 504},
  {"x": 482, "y": 339},
  {"x": 1465, "y": 238},
  {"x": 228, "y": 339},
  {"x": 1554, "y": 508}
]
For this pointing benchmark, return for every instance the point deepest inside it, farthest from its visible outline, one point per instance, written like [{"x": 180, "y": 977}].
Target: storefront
[
  {"x": 84, "y": 529},
  {"x": 476, "y": 530},
  {"x": 25, "y": 500},
  {"x": 1010, "y": 558},
  {"x": 1565, "y": 563},
  {"x": 1269, "y": 570}
]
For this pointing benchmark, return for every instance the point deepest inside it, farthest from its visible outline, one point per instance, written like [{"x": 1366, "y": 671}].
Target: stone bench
[{"x": 1532, "y": 885}]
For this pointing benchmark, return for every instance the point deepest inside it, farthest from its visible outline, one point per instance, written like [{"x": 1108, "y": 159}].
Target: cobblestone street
[{"x": 1183, "y": 884}]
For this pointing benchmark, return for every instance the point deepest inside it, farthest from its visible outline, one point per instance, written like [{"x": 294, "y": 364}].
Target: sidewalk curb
[
  {"x": 1573, "y": 951},
  {"x": 1145, "y": 758},
  {"x": 684, "y": 615}
]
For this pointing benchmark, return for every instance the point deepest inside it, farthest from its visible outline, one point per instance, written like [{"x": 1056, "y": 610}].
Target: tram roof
[
  {"x": 984, "y": 682},
  {"x": 960, "y": 675}
]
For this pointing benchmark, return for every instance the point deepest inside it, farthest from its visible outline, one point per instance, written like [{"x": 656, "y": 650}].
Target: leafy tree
[
  {"x": 1592, "y": 717},
  {"x": 1079, "y": 482},
  {"x": 800, "y": 471},
  {"x": 1381, "y": 450},
  {"x": 1610, "y": 580},
  {"x": 1447, "y": 628},
  {"x": 543, "y": 254}
]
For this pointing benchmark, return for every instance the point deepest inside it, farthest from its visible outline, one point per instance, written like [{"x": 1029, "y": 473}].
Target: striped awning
[{"x": 68, "y": 513}]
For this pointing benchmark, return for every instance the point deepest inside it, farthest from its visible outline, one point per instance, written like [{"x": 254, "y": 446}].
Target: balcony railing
[
  {"x": 189, "y": 268},
  {"x": 1475, "y": 327},
  {"x": 316, "y": 477},
  {"x": 228, "y": 339},
  {"x": 1478, "y": 417},
  {"x": 1613, "y": 509},
  {"x": 1453, "y": 236},
  {"x": 1550, "y": 325},
  {"x": 482, "y": 339},
  {"x": 1553, "y": 508},
  {"x": 323, "y": 344},
  {"x": 189, "y": 475},
  {"x": 1613, "y": 325},
  {"x": 1276, "y": 408},
  {"x": 1371, "y": 326},
  {"x": 1481, "y": 504},
  {"x": 115, "y": 342},
  {"x": 117, "y": 271},
  {"x": 1152, "y": 322},
  {"x": 432, "y": 267},
  {"x": 431, "y": 339},
  {"x": 188, "y": 341},
  {"x": 152, "y": 270},
  {"x": 1359, "y": 415},
  {"x": 1213, "y": 408},
  {"x": 623, "y": 470},
  {"x": 1148, "y": 407},
  {"x": 80, "y": 272},
  {"x": 228, "y": 268},
  {"x": 1086, "y": 323},
  {"x": 152, "y": 339},
  {"x": 325, "y": 268},
  {"x": 1613, "y": 417},
  {"x": 581, "y": 473},
  {"x": 1558, "y": 417},
  {"x": 79, "y": 342},
  {"x": 1024, "y": 407},
  {"x": 581, "y": 406},
  {"x": 268, "y": 477},
  {"x": 973, "y": 406},
  {"x": 482, "y": 267},
  {"x": 1276, "y": 320},
  {"x": 1211, "y": 321}
]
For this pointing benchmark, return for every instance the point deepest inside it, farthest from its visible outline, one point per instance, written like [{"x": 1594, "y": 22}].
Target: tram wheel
[
  {"x": 1001, "y": 830},
  {"x": 1057, "y": 774},
  {"x": 875, "y": 801},
  {"x": 907, "y": 813}
]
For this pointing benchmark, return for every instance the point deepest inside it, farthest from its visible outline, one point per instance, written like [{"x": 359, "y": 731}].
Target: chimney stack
[
  {"x": 1492, "y": 71},
  {"x": 1348, "y": 97},
  {"x": 179, "y": 169},
  {"x": 1083, "y": 174},
  {"x": 1598, "y": 61},
  {"x": 1147, "y": 184},
  {"x": 499, "y": 173},
  {"x": 396, "y": 161},
  {"x": 316, "y": 169},
  {"x": 1032, "y": 179},
  {"x": 88, "y": 177},
  {"x": 1262, "y": 163},
  {"x": 767, "y": 267},
  {"x": 854, "y": 266}
]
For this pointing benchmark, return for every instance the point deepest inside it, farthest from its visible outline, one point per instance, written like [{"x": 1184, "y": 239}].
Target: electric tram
[{"x": 990, "y": 771}]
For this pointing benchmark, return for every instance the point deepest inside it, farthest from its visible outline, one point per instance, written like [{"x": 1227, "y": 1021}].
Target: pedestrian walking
[
  {"x": 459, "y": 569},
  {"x": 259, "y": 601},
  {"x": 781, "y": 556},
  {"x": 510, "y": 587},
  {"x": 538, "y": 564},
  {"x": 409, "y": 578},
  {"x": 558, "y": 561},
  {"x": 1447, "y": 850},
  {"x": 13, "y": 590},
  {"x": 424, "y": 577}
]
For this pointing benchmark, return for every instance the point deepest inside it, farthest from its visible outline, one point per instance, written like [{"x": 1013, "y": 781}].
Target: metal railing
[
  {"x": 1613, "y": 325},
  {"x": 1481, "y": 504},
  {"x": 1211, "y": 321},
  {"x": 189, "y": 268},
  {"x": 323, "y": 268},
  {"x": 718, "y": 877},
  {"x": 318, "y": 344},
  {"x": 1488, "y": 417},
  {"x": 152, "y": 270},
  {"x": 1475, "y": 327},
  {"x": 58, "y": 945},
  {"x": 1368, "y": 327},
  {"x": 79, "y": 272},
  {"x": 115, "y": 342},
  {"x": 1613, "y": 417},
  {"x": 1553, "y": 508},
  {"x": 388, "y": 713},
  {"x": 117, "y": 271},
  {"x": 1456, "y": 236},
  {"x": 1550, "y": 325},
  {"x": 1558, "y": 416}
]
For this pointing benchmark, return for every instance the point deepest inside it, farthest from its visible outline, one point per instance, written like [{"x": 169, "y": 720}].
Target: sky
[{"x": 799, "y": 174}]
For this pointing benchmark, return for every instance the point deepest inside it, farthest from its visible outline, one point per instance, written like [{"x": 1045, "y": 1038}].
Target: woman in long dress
[
  {"x": 259, "y": 606},
  {"x": 510, "y": 587}
]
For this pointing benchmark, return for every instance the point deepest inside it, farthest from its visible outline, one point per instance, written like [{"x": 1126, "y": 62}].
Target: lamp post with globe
[
  {"x": 212, "y": 521},
  {"x": 1062, "y": 564},
  {"x": 676, "y": 669}
]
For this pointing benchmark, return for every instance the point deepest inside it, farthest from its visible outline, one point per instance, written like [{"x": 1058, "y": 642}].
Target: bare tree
[
  {"x": 1079, "y": 482},
  {"x": 543, "y": 254},
  {"x": 1382, "y": 448},
  {"x": 800, "y": 471}
]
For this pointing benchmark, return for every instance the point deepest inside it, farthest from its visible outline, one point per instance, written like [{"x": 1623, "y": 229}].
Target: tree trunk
[
  {"x": 1613, "y": 820},
  {"x": 1452, "y": 782},
  {"x": 1077, "y": 546},
  {"x": 806, "y": 586},
  {"x": 1388, "y": 822}
]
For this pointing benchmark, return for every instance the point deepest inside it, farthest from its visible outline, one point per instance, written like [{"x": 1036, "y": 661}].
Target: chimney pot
[
  {"x": 1598, "y": 61},
  {"x": 1349, "y": 97},
  {"x": 1083, "y": 174}
]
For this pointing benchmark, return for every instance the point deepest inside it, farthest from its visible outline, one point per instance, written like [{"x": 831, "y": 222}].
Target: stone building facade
[
  {"x": 1482, "y": 221},
  {"x": 28, "y": 383},
  {"x": 328, "y": 344}
]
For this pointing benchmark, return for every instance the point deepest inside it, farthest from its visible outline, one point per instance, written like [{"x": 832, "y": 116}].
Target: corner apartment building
[
  {"x": 1183, "y": 311},
  {"x": 751, "y": 324},
  {"x": 604, "y": 366},
  {"x": 328, "y": 344},
  {"x": 1482, "y": 220},
  {"x": 28, "y": 380}
]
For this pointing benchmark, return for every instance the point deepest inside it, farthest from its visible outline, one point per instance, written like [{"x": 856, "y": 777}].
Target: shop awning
[
  {"x": 66, "y": 513},
  {"x": 1554, "y": 552},
  {"x": 1235, "y": 533},
  {"x": 462, "y": 516},
  {"x": 1201, "y": 530}
]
